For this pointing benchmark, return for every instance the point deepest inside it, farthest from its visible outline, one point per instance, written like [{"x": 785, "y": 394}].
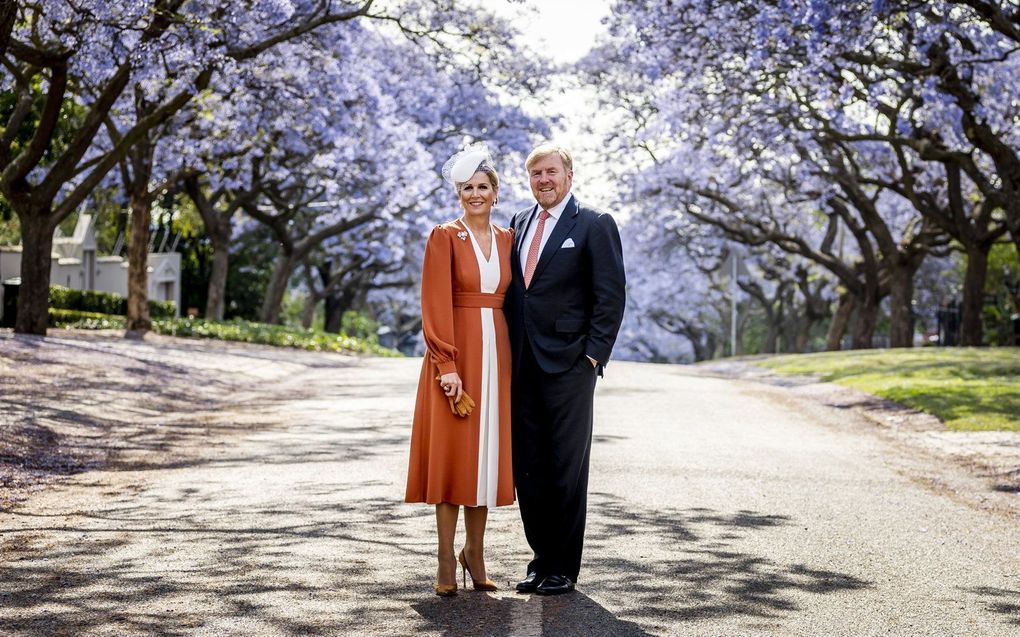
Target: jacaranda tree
[
  {"x": 860, "y": 135},
  {"x": 72, "y": 66}
]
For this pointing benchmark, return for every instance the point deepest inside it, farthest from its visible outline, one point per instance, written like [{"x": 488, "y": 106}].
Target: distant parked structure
[{"x": 76, "y": 265}]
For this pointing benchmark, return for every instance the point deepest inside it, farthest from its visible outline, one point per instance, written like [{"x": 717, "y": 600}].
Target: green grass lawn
[{"x": 970, "y": 389}]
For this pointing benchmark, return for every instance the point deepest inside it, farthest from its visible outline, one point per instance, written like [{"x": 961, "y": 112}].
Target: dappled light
[{"x": 634, "y": 317}]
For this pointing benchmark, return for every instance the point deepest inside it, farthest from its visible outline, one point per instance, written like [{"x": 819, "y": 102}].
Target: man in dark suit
[{"x": 564, "y": 306}]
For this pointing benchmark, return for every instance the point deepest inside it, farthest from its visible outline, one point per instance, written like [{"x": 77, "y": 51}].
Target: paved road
[{"x": 718, "y": 507}]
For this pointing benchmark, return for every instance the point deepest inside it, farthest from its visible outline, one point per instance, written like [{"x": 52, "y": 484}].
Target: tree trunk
[
  {"x": 901, "y": 301},
  {"x": 217, "y": 224},
  {"x": 704, "y": 347},
  {"x": 138, "y": 263},
  {"x": 216, "y": 299},
  {"x": 123, "y": 217},
  {"x": 140, "y": 157},
  {"x": 771, "y": 339},
  {"x": 337, "y": 303},
  {"x": 332, "y": 306},
  {"x": 862, "y": 333},
  {"x": 277, "y": 288},
  {"x": 971, "y": 328},
  {"x": 702, "y": 342},
  {"x": 8, "y": 12},
  {"x": 816, "y": 308},
  {"x": 743, "y": 316},
  {"x": 811, "y": 316},
  {"x": 34, "y": 292},
  {"x": 773, "y": 318},
  {"x": 1014, "y": 230},
  {"x": 308, "y": 316},
  {"x": 334, "y": 313},
  {"x": 803, "y": 334},
  {"x": 789, "y": 332},
  {"x": 778, "y": 322},
  {"x": 840, "y": 321}
]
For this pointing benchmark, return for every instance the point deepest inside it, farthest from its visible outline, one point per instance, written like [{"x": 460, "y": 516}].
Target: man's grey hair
[{"x": 547, "y": 149}]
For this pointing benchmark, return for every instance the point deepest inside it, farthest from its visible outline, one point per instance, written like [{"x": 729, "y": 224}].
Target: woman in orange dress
[{"x": 464, "y": 461}]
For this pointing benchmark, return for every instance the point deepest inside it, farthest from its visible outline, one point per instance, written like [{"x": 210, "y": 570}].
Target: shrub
[
  {"x": 358, "y": 325},
  {"x": 235, "y": 330},
  {"x": 262, "y": 333},
  {"x": 102, "y": 302},
  {"x": 86, "y": 300},
  {"x": 85, "y": 320},
  {"x": 160, "y": 309}
]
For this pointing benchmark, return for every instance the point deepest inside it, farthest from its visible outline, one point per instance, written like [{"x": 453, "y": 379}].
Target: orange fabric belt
[{"x": 477, "y": 299}]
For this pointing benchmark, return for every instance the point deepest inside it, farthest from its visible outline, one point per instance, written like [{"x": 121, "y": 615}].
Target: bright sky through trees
[{"x": 564, "y": 31}]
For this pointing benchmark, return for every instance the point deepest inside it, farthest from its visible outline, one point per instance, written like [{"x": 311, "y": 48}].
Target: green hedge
[
  {"x": 236, "y": 330},
  {"x": 102, "y": 302},
  {"x": 85, "y": 320},
  {"x": 262, "y": 333}
]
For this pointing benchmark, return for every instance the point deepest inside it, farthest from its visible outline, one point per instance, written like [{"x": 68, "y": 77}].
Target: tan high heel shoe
[
  {"x": 446, "y": 590},
  {"x": 465, "y": 570}
]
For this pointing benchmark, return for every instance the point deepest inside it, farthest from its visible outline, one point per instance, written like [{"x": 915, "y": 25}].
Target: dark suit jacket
[{"x": 574, "y": 306}]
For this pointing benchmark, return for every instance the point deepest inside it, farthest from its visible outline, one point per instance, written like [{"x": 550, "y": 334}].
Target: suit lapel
[
  {"x": 523, "y": 223},
  {"x": 563, "y": 227}
]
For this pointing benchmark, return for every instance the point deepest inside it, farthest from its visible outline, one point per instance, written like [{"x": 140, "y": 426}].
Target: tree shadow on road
[
  {"x": 1004, "y": 481},
  {"x": 685, "y": 565},
  {"x": 1000, "y": 600},
  {"x": 77, "y": 404},
  {"x": 472, "y": 614},
  {"x": 224, "y": 567},
  {"x": 71, "y": 406}
]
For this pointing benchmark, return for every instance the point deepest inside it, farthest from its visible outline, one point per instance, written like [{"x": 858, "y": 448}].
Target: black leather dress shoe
[
  {"x": 555, "y": 585},
  {"x": 529, "y": 583}
]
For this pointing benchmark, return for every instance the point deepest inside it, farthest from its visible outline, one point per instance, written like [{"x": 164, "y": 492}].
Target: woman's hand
[{"x": 452, "y": 385}]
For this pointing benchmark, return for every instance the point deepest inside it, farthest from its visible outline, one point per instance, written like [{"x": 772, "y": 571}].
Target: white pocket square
[{"x": 569, "y": 243}]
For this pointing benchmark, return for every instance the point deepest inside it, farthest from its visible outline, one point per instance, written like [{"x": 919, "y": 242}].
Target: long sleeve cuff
[{"x": 448, "y": 367}]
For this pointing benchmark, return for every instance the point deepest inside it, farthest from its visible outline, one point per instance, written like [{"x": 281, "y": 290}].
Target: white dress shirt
[{"x": 550, "y": 223}]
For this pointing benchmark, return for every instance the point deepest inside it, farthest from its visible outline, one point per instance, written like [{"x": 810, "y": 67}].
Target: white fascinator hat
[{"x": 466, "y": 163}]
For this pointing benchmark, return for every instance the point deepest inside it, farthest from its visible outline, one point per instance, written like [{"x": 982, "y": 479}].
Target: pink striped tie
[{"x": 536, "y": 242}]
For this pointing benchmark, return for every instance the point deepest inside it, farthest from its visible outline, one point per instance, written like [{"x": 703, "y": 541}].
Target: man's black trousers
[{"x": 552, "y": 429}]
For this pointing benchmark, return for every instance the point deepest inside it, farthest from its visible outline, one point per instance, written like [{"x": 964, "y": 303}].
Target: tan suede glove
[{"x": 462, "y": 407}]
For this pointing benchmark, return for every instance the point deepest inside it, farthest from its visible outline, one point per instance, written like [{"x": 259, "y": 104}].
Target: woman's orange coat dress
[{"x": 456, "y": 460}]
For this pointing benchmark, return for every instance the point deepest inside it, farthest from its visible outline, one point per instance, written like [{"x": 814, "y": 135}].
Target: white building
[{"x": 75, "y": 265}]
